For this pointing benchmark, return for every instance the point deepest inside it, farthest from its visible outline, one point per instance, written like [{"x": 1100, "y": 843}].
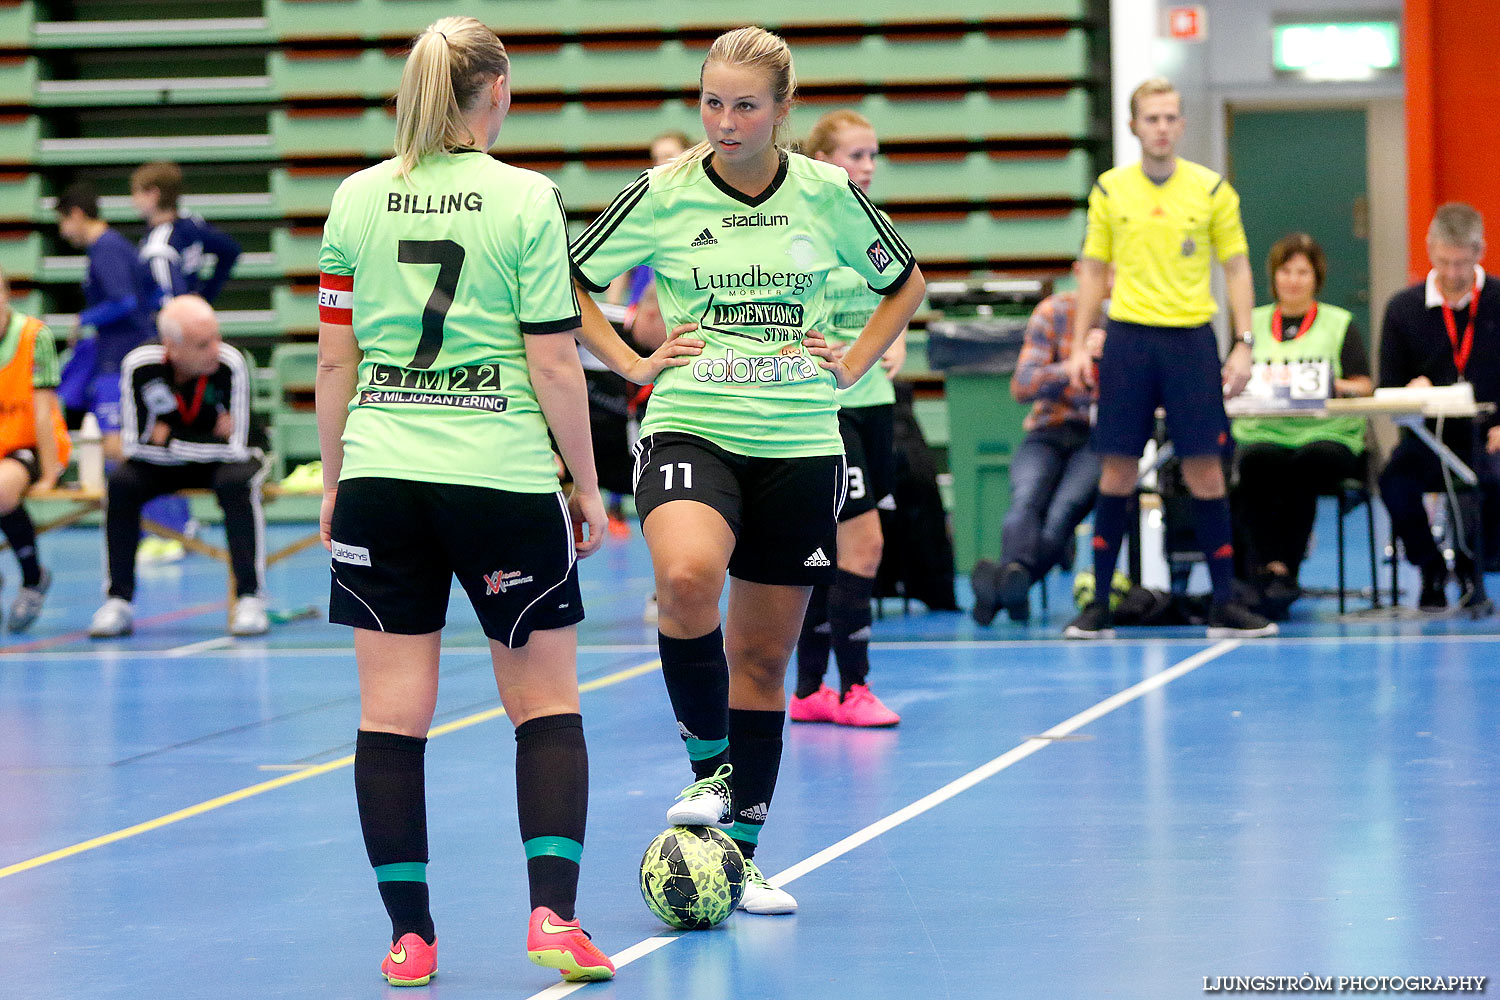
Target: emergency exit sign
[{"x": 1337, "y": 50}]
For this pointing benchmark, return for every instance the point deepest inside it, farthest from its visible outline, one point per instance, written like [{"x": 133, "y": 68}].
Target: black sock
[
  {"x": 1109, "y": 530},
  {"x": 755, "y": 752},
  {"x": 1215, "y": 538},
  {"x": 697, "y": 676},
  {"x": 849, "y": 619},
  {"x": 21, "y": 534},
  {"x": 813, "y": 644},
  {"x": 552, "y": 799},
  {"x": 390, "y": 788}
]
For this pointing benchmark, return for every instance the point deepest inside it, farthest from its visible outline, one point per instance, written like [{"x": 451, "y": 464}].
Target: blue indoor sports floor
[{"x": 1050, "y": 820}]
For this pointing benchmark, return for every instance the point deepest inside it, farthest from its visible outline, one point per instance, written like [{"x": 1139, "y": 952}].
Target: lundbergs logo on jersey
[{"x": 703, "y": 239}]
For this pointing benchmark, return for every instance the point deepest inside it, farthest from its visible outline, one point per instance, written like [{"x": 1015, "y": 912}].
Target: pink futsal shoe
[
  {"x": 861, "y": 708},
  {"x": 820, "y": 706},
  {"x": 555, "y": 943},
  {"x": 410, "y": 962}
]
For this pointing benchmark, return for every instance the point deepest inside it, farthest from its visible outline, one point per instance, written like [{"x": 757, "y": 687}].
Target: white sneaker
[
  {"x": 763, "y": 897},
  {"x": 115, "y": 617},
  {"x": 250, "y": 616},
  {"x": 705, "y": 802}
]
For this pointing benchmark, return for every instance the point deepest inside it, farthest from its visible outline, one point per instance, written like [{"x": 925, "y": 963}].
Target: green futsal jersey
[
  {"x": 750, "y": 271},
  {"x": 847, "y": 304},
  {"x": 441, "y": 276}
]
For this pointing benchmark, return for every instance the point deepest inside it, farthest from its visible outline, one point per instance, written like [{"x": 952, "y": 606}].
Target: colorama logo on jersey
[{"x": 703, "y": 239}]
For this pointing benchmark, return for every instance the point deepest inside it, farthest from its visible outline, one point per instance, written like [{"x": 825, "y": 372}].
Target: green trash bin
[{"x": 984, "y": 430}]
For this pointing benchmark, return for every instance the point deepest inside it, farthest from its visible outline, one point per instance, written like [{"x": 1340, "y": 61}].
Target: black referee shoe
[
  {"x": 984, "y": 580},
  {"x": 1235, "y": 621}
]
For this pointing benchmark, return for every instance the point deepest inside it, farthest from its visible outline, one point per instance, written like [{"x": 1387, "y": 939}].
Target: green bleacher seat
[
  {"x": 69, "y": 269},
  {"x": 16, "y": 20},
  {"x": 152, "y": 91},
  {"x": 373, "y": 19},
  {"x": 21, "y": 254},
  {"x": 982, "y": 176},
  {"x": 19, "y": 138},
  {"x": 130, "y": 150},
  {"x": 296, "y": 251},
  {"x": 214, "y": 207},
  {"x": 150, "y": 33},
  {"x": 305, "y": 191},
  {"x": 983, "y": 236},
  {"x": 19, "y": 194},
  {"x": 296, "y": 309},
  {"x": 18, "y": 79}
]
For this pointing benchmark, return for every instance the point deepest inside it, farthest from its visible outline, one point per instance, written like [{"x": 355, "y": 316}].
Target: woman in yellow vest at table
[{"x": 1286, "y": 463}]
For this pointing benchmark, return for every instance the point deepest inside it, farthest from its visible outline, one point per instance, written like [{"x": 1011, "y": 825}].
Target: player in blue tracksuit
[{"x": 176, "y": 243}]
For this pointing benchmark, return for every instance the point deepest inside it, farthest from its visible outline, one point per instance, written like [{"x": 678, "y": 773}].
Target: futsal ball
[
  {"x": 1083, "y": 588},
  {"x": 692, "y": 877}
]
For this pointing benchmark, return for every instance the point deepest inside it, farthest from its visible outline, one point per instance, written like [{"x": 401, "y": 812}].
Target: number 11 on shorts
[{"x": 687, "y": 474}]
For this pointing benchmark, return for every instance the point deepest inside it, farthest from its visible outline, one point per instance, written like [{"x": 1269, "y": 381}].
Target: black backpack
[{"x": 918, "y": 558}]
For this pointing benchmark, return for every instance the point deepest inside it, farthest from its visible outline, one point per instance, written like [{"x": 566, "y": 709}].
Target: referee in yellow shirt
[{"x": 1162, "y": 223}]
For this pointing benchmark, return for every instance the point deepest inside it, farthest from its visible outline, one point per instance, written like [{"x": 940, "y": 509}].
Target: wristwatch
[{"x": 1247, "y": 338}]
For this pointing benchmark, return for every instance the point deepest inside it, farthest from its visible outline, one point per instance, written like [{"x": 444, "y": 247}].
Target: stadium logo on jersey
[
  {"x": 703, "y": 239},
  {"x": 758, "y": 219},
  {"x": 500, "y": 581},
  {"x": 732, "y": 369},
  {"x": 756, "y": 278},
  {"x": 878, "y": 256}
]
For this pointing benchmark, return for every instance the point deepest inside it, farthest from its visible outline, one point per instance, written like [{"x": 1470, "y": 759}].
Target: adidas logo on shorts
[
  {"x": 817, "y": 559},
  {"x": 755, "y": 814},
  {"x": 703, "y": 239}
]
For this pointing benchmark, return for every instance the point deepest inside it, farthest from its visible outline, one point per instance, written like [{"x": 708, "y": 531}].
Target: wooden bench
[{"x": 85, "y": 501}]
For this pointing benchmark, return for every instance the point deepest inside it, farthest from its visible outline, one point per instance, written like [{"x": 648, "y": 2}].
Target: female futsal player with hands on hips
[
  {"x": 740, "y": 467},
  {"x": 446, "y": 352}
]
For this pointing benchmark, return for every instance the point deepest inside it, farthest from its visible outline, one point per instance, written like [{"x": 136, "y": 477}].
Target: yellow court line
[{"x": 274, "y": 783}]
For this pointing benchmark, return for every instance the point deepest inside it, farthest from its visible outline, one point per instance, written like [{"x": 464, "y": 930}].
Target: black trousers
[
  {"x": 1413, "y": 470},
  {"x": 1276, "y": 498},
  {"x": 235, "y": 484}
]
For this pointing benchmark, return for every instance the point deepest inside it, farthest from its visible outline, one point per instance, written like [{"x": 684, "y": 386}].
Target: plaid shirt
[{"x": 1040, "y": 377}]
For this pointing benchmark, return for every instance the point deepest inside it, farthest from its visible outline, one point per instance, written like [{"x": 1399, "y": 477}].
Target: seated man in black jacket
[
  {"x": 185, "y": 423},
  {"x": 1440, "y": 332}
]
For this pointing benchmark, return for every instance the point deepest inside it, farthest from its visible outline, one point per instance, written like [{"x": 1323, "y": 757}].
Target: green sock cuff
[
  {"x": 402, "y": 871},
  {"x": 748, "y": 832},
  {"x": 705, "y": 749},
  {"x": 557, "y": 847}
]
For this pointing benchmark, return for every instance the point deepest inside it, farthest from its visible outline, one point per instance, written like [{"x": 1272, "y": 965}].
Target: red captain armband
[{"x": 336, "y": 298}]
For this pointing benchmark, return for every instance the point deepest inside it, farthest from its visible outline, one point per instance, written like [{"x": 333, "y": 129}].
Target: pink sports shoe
[
  {"x": 555, "y": 943},
  {"x": 820, "y": 706},
  {"x": 861, "y": 708},
  {"x": 410, "y": 962}
]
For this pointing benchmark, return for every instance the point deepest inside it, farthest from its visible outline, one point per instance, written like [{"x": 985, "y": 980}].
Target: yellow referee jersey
[{"x": 1159, "y": 236}]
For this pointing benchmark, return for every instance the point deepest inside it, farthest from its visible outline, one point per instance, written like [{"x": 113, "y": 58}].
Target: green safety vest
[{"x": 1324, "y": 341}]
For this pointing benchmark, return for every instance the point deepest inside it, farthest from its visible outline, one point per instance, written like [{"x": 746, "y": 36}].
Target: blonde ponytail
[
  {"x": 450, "y": 64},
  {"x": 749, "y": 46}
]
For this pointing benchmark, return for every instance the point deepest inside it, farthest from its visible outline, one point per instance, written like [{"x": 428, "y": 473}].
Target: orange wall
[{"x": 1452, "y": 98}]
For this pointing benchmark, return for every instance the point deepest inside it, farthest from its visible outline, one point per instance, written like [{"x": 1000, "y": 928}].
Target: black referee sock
[
  {"x": 21, "y": 534},
  {"x": 390, "y": 788},
  {"x": 1109, "y": 531},
  {"x": 1216, "y": 539},
  {"x": 849, "y": 619},
  {"x": 697, "y": 676},
  {"x": 813, "y": 644},
  {"x": 755, "y": 752},
  {"x": 552, "y": 800}
]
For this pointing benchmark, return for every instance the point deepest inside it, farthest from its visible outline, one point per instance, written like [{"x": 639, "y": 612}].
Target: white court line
[
  {"x": 948, "y": 791},
  {"x": 222, "y": 642}
]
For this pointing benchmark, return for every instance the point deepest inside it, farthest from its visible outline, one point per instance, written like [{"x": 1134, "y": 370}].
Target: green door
[{"x": 1304, "y": 170}]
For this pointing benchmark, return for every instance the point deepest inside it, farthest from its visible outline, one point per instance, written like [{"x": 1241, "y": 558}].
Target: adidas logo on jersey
[
  {"x": 755, "y": 814},
  {"x": 703, "y": 239},
  {"x": 816, "y": 559}
]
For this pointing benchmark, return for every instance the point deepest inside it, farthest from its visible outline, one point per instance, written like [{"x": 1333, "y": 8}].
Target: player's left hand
[
  {"x": 679, "y": 350},
  {"x": 1237, "y": 371},
  {"x": 829, "y": 358},
  {"x": 586, "y": 508},
  {"x": 325, "y": 516}
]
